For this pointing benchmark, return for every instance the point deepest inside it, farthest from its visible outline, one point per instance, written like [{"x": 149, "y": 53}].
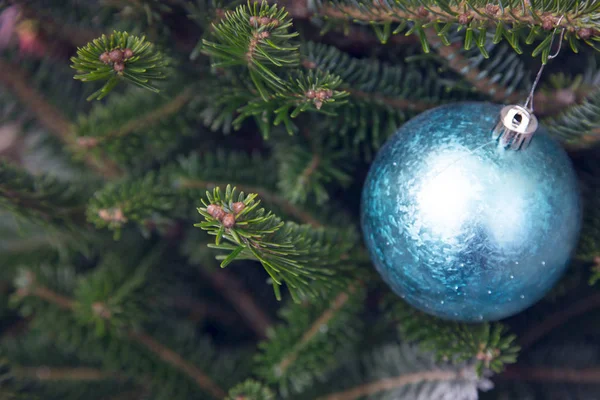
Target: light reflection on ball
[{"x": 462, "y": 228}]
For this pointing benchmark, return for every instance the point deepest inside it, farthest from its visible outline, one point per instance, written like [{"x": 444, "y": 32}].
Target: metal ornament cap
[{"x": 516, "y": 127}]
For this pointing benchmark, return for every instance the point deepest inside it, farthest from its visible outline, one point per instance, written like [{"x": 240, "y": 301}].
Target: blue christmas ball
[{"x": 462, "y": 228}]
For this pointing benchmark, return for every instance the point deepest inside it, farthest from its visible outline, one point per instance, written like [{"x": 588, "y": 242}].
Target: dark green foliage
[
  {"x": 258, "y": 38},
  {"x": 313, "y": 334},
  {"x": 136, "y": 129},
  {"x": 399, "y": 371},
  {"x": 83, "y": 300},
  {"x": 488, "y": 346},
  {"x": 144, "y": 66},
  {"x": 382, "y": 96},
  {"x": 578, "y": 125},
  {"x": 512, "y": 20},
  {"x": 312, "y": 91},
  {"x": 45, "y": 297},
  {"x": 135, "y": 200},
  {"x": 42, "y": 199},
  {"x": 310, "y": 170},
  {"x": 114, "y": 297},
  {"x": 251, "y": 390},
  {"x": 304, "y": 258}
]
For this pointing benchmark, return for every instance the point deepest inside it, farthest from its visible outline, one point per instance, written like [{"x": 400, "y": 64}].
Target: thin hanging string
[{"x": 529, "y": 102}]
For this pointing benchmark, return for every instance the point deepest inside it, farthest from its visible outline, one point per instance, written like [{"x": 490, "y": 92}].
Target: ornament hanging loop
[{"x": 518, "y": 124}]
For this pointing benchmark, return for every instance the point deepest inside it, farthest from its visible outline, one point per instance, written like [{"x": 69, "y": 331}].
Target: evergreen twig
[
  {"x": 373, "y": 388},
  {"x": 164, "y": 353},
  {"x": 46, "y": 373},
  {"x": 268, "y": 196},
  {"x": 50, "y": 117}
]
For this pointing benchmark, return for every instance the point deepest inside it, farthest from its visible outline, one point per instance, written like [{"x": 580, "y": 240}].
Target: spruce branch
[
  {"x": 311, "y": 166},
  {"x": 257, "y": 38},
  {"x": 46, "y": 373},
  {"x": 135, "y": 129},
  {"x": 49, "y": 117},
  {"x": 29, "y": 287},
  {"x": 269, "y": 197},
  {"x": 304, "y": 258},
  {"x": 370, "y": 389},
  {"x": 509, "y": 19},
  {"x": 119, "y": 57},
  {"x": 488, "y": 346},
  {"x": 306, "y": 344},
  {"x": 250, "y": 389},
  {"x": 578, "y": 126},
  {"x": 311, "y": 91},
  {"x": 400, "y": 371},
  {"x": 249, "y": 173},
  {"x": 41, "y": 199},
  {"x": 381, "y": 95},
  {"x": 139, "y": 200}
]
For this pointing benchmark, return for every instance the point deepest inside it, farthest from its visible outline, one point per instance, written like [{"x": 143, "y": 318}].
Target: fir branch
[
  {"x": 338, "y": 302},
  {"x": 489, "y": 346},
  {"x": 268, "y": 196},
  {"x": 41, "y": 199},
  {"x": 462, "y": 66},
  {"x": 508, "y": 18},
  {"x": 257, "y": 38},
  {"x": 306, "y": 346},
  {"x": 373, "y": 388},
  {"x": 46, "y": 373},
  {"x": 300, "y": 256},
  {"x": 233, "y": 290},
  {"x": 138, "y": 201},
  {"x": 119, "y": 57},
  {"x": 311, "y": 166},
  {"x": 49, "y": 117},
  {"x": 135, "y": 129},
  {"x": 579, "y": 125},
  {"x": 251, "y": 390},
  {"x": 29, "y": 287},
  {"x": 381, "y": 95},
  {"x": 150, "y": 118},
  {"x": 558, "y": 318},
  {"x": 177, "y": 361}
]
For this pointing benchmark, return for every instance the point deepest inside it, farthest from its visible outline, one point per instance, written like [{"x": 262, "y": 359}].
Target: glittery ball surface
[{"x": 462, "y": 228}]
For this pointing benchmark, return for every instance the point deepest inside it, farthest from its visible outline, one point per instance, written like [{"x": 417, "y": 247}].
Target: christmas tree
[{"x": 180, "y": 187}]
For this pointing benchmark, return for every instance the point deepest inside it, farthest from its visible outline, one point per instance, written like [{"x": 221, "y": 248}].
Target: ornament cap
[{"x": 516, "y": 127}]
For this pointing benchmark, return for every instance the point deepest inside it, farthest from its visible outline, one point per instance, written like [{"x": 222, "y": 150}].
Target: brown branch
[
  {"x": 545, "y": 374},
  {"x": 283, "y": 203},
  {"x": 314, "y": 329},
  {"x": 62, "y": 374},
  {"x": 460, "y": 64},
  {"x": 199, "y": 310},
  {"x": 393, "y": 383},
  {"x": 151, "y": 344},
  {"x": 404, "y": 104},
  {"x": 171, "y": 357},
  {"x": 49, "y": 117},
  {"x": 513, "y": 16},
  {"x": 559, "y": 318},
  {"x": 152, "y": 117},
  {"x": 233, "y": 290},
  {"x": 310, "y": 169}
]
